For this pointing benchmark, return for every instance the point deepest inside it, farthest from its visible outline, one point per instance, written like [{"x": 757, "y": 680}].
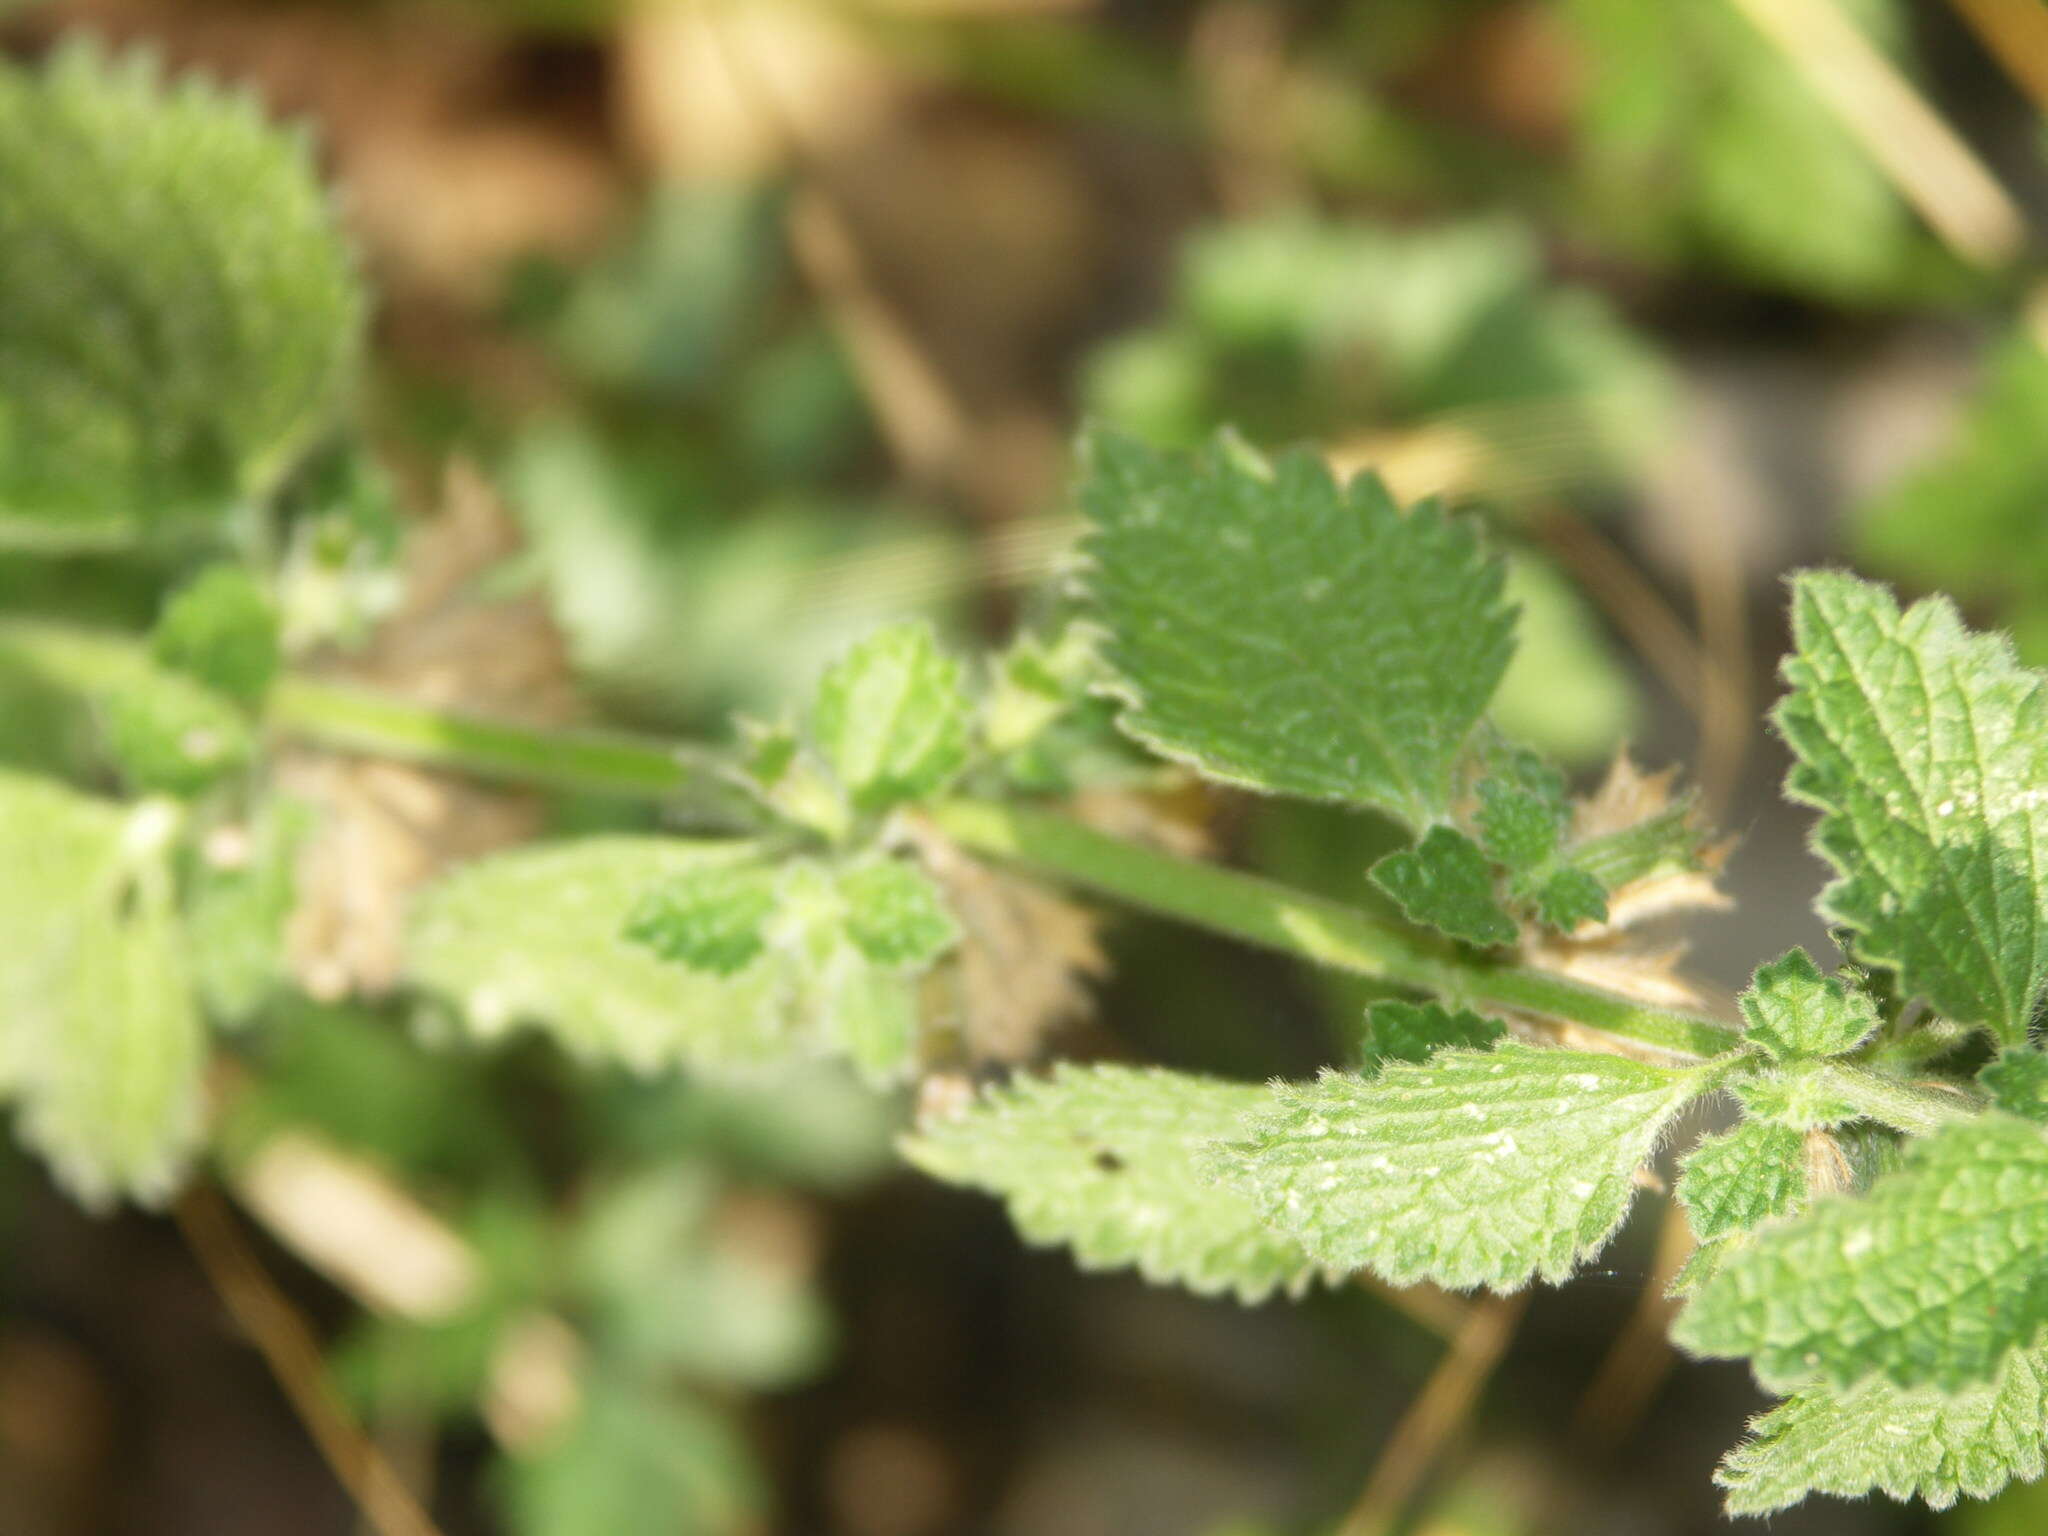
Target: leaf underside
[
  {"x": 1478, "y": 1168},
  {"x": 1102, "y": 1159}
]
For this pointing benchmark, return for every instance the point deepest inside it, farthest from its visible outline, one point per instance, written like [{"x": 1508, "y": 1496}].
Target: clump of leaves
[{"x": 1871, "y": 1227}]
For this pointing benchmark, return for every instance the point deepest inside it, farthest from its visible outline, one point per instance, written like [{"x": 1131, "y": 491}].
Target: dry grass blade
[
  {"x": 288, "y": 1347},
  {"x": 1443, "y": 1405},
  {"x": 1931, "y": 166}
]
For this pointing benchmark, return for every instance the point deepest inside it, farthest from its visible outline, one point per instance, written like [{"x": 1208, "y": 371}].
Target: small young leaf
[
  {"x": 1569, "y": 899},
  {"x": 2018, "y": 1082},
  {"x": 895, "y": 915},
  {"x": 221, "y": 629},
  {"x": 1730, "y": 1182},
  {"x": 1398, "y": 1031},
  {"x": 1932, "y": 1278},
  {"x": 870, "y": 1012},
  {"x": 1103, "y": 1159},
  {"x": 707, "y": 916},
  {"x": 1445, "y": 882},
  {"x": 196, "y": 320},
  {"x": 1522, "y": 809},
  {"x": 171, "y": 735},
  {"x": 1925, "y": 748},
  {"x": 1275, "y": 631},
  {"x": 536, "y": 936},
  {"x": 1479, "y": 1168},
  {"x": 237, "y": 913},
  {"x": 892, "y": 719},
  {"x": 1793, "y": 1010},
  {"x": 1920, "y": 1444}
]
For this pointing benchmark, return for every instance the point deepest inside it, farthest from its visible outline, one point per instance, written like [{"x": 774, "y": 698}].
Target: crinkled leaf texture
[
  {"x": 101, "y": 1041},
  {"x": 1104, "y": 1160},
  {"x": 1793, "y": 1010},
  {"x": 1925, "y": 747},
  {"x": 1478, "y": 1168},
  {"x": 536, "y": 936},
  {"x": 195, "y": 318},
  {"x": 1920, "y": 1444},
  {"x": 892, "y": 717},
  {"x": 1444, "y": 882},
  {"x": 1733, "y": 1181},
  {"x": 1931, "y": 1279},
  {"x": 1277, "y": 631},
  {"x": 1403, "y": 1031}
]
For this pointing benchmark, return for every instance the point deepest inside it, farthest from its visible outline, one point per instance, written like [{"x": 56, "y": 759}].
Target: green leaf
[
  {"x": 1793, "y": 1010},
  {"x": 536, "y": 936},
  {"x": 1729, "y": 1183},
  {"x": 1522, "y": 809},
  {"x": 892, "y": 718},
  {"x": 1571, "y": 898},
  {"x": 2018, "y": 1082},
  {"x": 59, "y": 854},
  {"x": 1102, "y": 1159},
  {"x": 115, "y": 1098},
  {"x": 707, "y": 916},
  {"x": 100, "y": 1040},
  {"x": 171, "y": 735},
  {"x": 895, "y": 915},
  {"x": 1930, "y": 1279},
  {"x": 870, "y": 1011},
  {"x": 196, "y": 320},
  {"x": 1275, "y": 631},
  {"x": 221, "y": 629},
  {"x": 1479, "y": 1168},
  {"x": 1925, "y": 747},
  {"x": 1398, "y": 1031},
  {"x": 1922, "y": 1444},
  {"x": 237, "y": 913},
  {"x": 1445, "y": 882}
]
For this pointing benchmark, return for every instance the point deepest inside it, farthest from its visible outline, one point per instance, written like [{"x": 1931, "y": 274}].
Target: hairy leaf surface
[
  {"x": 1793, "y": 1010},
  {"x": 1925, "y": 748},
  {"x": 1478, "y": 1168},
  {"x": 100, "y": 1038},
  {"x": 1932, "y": 1278},
  {"x": 536, "y": 936},
  {"x": 1731, "y": 1182},
  {"x": 195, "y": 318},
  {"x": 1920, "y": 1444},
  {"x": 1276, "y": 631},
  {"x": 1444, "y": 882},
  {"x": 892, "y": 718},
  {"x": 1103, "y": 1159}
]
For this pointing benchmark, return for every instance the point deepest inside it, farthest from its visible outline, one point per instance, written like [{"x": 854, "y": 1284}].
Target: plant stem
[
  {"x": 1313, "y": 928},
  {"x": 360, "y": 720},
  {"x": 1226, "y": 901}
]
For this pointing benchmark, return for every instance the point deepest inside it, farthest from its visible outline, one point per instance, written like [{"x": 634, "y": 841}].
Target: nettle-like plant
[{"x": 1871, "y": 1229}]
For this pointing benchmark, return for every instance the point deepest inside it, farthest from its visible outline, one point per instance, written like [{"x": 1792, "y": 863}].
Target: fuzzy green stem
[
  {"x": 1261, "y": 912},
  {"x": 1225, "y": 901},
  {"x": 360, "y": 720}
]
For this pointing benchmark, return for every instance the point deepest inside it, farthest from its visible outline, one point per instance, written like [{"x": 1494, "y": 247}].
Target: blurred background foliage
[{"x": 709, "y": 334}]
